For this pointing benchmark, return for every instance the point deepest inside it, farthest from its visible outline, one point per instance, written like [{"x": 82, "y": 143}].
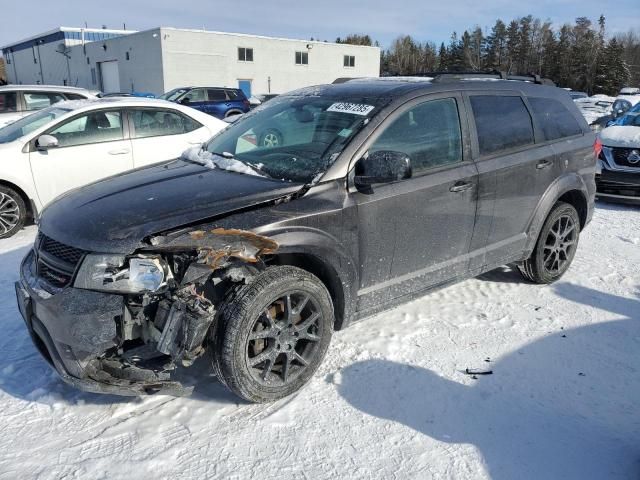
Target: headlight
[{"x": 117, "y": 273}]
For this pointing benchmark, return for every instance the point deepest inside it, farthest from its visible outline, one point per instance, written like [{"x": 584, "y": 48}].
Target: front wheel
[
  {"x": 273, "y": 334},
  {"x": 13, "y": 212},
  {"x": 556, "y": 246}
]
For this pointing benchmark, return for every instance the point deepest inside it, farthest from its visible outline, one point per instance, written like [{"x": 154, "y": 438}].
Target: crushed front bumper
[{"x": 73, "y": 329}]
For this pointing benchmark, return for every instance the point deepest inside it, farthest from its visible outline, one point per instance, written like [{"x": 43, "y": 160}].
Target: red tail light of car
[{"x": 597, "y": 147}]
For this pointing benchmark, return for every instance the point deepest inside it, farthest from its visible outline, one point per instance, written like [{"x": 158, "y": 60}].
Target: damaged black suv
[{"x": 251, "y": 254}]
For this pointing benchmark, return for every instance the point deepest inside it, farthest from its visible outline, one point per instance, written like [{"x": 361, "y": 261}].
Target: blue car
[{"x": 216, "y": 101}]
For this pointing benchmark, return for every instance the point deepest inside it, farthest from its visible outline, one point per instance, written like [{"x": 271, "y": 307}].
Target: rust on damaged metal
[{"x": 241, "y": 244}]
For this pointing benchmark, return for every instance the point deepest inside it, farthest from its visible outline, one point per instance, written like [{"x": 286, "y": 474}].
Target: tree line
[{"x": 580, "y": 56}]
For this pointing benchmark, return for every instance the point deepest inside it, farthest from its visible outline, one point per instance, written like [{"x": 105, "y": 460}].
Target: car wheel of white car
[
  {"x": 13, "y": 212},
  {"x": 271, "y": 138}
]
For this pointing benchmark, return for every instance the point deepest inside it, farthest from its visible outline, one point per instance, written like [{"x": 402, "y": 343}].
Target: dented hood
[{"x": 114, "y": 215}]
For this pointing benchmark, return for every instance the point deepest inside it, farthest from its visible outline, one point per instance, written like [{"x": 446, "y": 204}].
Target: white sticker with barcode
[{"x": 354, "y": 108}]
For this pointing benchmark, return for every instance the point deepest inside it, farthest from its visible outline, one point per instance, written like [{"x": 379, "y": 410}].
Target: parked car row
[
  {"x": 17, "y": 101},
  {"x": 73, "y": 143},
  {"x": 292, "y": 222}
]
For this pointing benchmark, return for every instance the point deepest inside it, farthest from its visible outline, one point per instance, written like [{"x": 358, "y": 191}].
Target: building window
[
  {"x": 127, "y": 55},
  {"x": 349, "y": 61},
  {"x": 88, "y": 61},
  {"x": 245, "y": 54},
  {"x": 302, "y": 58}
]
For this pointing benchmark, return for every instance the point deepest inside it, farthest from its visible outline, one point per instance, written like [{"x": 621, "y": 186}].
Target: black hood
[{"x": 114, "y": 215}]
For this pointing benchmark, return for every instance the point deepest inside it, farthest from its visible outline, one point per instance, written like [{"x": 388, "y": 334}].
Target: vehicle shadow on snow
[
  {"x": 564, "y": 406},
  {"x": 26, "y": 375}
]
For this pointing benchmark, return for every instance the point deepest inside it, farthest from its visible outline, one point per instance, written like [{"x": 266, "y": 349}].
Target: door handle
[
  {"x": 460, "y": 186},
  {"x": 544, "y": 164},
  {"x": 122, "y": 151}
]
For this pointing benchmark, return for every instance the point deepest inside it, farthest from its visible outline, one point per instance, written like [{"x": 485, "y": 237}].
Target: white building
[
  {"x": 44, "y": 59},
  {"x": 161, "y": 59}
]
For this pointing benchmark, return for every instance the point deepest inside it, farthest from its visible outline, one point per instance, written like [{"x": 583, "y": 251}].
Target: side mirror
[
  {"x": 185, "y": 101},
  {"x": 383, "y": 166},
  {"x": 45, "y": 142}
]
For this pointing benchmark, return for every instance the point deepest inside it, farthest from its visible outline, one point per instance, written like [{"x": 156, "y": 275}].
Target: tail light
[
  {"x": 597, "y": 147},
  {"x": 246, "y": 103}
]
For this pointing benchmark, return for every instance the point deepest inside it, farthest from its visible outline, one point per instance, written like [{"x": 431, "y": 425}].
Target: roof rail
[{"x": 498, "y": 75}]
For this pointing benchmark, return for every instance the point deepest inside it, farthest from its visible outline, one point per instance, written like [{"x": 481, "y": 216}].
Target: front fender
[{"x": 327, "y": 251}]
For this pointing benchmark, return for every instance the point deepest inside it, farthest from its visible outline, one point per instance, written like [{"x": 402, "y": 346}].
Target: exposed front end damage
[{"x": 135, "y": 343}]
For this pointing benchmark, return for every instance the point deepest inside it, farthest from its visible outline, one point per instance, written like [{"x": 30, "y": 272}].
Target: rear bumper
[
  {"x": 618, "y": 186},
  {"x": 73, "y": 330}
]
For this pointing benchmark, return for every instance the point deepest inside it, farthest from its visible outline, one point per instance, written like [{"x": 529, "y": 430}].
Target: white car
[
  {"x": 74, "y": 143},
  {"x": 17, "y": 101}
]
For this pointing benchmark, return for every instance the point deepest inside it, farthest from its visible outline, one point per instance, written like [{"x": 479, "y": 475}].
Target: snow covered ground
[{"x": 391, "y": 401}]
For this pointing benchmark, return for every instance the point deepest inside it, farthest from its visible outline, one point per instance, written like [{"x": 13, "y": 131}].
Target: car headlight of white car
[{"x": 121, "y": 274}]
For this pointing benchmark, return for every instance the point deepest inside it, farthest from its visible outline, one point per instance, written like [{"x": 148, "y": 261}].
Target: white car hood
[{"x": 621, "y": 136}]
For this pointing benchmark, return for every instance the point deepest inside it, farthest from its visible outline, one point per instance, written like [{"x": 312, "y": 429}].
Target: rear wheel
[
  {"x": 273, "y": 334},
  {"x": 556, "y": 246},
  {"x": 13, "y": 212}
]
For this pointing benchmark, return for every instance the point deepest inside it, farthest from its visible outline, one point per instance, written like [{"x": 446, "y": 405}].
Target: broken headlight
[{"x": 120, "y": 274}]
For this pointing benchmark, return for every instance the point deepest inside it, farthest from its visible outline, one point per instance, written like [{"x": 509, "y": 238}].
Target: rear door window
[
  {"x": 40, "y": 100},
  {"x": 555, "y": 120},
  {"x": 502, "y": 122},
  {"x": 216, "y": 95},
  {"x": 8, "y": 102}
]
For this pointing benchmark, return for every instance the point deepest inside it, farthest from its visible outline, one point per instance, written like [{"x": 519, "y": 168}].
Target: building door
[
  {"x": 245, "y": 86},
  {"x": 109, "y": 76}
]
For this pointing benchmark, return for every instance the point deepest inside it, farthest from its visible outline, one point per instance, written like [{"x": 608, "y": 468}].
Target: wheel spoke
[
  {"x": 300, "y": 306},
  {"x": 312, "y": 337},
  {"x": 266, "y": 354},
  {"x": 286, "y": 366},
  {"x": 288, "y": 311},
  {"x": 299, "y": 358},
  {"x": 262, "y": 334},
  {"x": 303, "y": 326}
]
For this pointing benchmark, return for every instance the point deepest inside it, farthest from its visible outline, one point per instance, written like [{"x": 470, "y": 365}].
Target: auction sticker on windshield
[{"x": 354, "y": 108}]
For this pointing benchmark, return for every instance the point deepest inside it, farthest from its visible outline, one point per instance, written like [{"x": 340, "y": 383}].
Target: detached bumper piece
[
  {"x": 76, "y": 332},
  {"x": 621, "y": 186}
]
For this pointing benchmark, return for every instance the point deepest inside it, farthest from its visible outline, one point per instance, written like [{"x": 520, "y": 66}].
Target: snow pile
[
  {"x": 391, "y": 400},
  {"x": 210, "y": 160},
  {"x": 621, "y": 136}
]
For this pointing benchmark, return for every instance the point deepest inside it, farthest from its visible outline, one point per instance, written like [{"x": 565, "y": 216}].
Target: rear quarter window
[
  {"x": 555, "y": 120},
  {"x": 502, "y": 122}
]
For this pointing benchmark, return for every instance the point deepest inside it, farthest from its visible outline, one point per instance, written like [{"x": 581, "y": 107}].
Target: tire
[
  {"x": 270, "y": 138},
  {"x": 233, "y": 112},
  {"x": 271, "y": 365},
  {"x": 13, "y": 212},
  {"x": 556, "y": 246}
]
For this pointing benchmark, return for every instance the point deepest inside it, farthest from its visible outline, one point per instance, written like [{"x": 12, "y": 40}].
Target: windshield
[
  {"x": 295, "y": 138},
  {"x": 173, "y": 94},
  {"x": 28, "y": 124}
]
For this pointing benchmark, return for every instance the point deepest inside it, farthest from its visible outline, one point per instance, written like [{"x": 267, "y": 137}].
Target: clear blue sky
[{"x": 323, "y": 19}]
